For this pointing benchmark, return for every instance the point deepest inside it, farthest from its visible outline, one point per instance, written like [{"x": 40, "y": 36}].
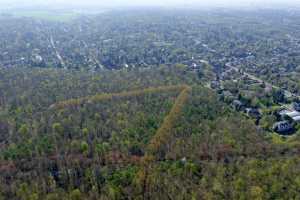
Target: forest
[
  {"x": 158, "y": 133},
  {"x": 148, "y": 105}
]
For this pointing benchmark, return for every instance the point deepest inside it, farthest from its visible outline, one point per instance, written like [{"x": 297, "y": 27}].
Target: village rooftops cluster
[{"x": 250, "y": 111}]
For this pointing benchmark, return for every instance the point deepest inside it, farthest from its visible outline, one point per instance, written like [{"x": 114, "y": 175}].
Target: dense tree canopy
[{"x": 141, "y": 106}]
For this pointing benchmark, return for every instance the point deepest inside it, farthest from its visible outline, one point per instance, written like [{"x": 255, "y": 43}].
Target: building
[
  {"x": 296, "y": 106},
  {"x": 283, "y": 127},
  {"x": 226, "y": 96},
  {"x": 293, "y": 115},
  {"x": 253, "y": 112},
  {"x": 296, "y": 119},
  {"x": 215, "y": 84},
  {"x": 238, "y": 105},
  {"x": 283, "y": 112}
]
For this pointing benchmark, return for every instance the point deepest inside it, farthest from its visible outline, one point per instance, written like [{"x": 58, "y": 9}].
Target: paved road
[{"x": 56, "y": 52}]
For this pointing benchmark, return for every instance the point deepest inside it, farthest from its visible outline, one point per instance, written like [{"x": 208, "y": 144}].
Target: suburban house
[
  {"x": 296, "y": 106},
  {"x": 294, "y": 115},
  {"x": 215, "y": 84},
  {"x": 283, "y": 127},
  {"x": 238, "y": 105},
  {"x": 253, "y": 112},
  {"x": 283, "y": 112}
]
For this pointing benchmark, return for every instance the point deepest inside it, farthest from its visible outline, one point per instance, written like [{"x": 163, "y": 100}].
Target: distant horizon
[{"x": 18, "y": 4}]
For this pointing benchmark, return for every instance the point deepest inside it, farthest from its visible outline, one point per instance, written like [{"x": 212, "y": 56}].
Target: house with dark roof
[
  {"x": 238, "y": 105},
  {"x": 283, "y": 127},
  {"x": 253, "y": 112},
  {"x": 296, "y": 106}
]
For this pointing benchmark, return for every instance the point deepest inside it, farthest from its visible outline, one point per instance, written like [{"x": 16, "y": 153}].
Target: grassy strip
[{"x": 110, "y": 96}]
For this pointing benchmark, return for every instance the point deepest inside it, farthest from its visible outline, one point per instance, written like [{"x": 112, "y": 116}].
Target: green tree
[
  {"x": 24, "y": 131},
  {"x": 85, "y": 132},
  {"x": 58, "y": 128},
  {"x": 256, "y": 193},
  {"x": 76, "y": 195},
  {"x": 84, "y": 147}
]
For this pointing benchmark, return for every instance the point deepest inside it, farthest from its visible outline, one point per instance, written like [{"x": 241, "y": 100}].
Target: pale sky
[{"x": 225, "y": 3}]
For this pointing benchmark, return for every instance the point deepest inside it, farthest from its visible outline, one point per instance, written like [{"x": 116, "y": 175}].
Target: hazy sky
[{"x": 226, "y": 3}]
